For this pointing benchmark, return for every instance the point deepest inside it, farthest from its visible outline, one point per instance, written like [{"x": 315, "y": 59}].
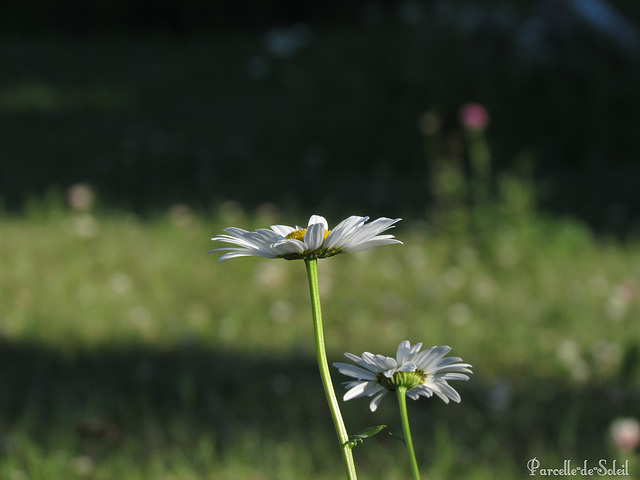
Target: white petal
[
  {"x": 380, "y": 362},
  {"x": 353, "y": 371},
  {"x": 283, "y": 230},
  {"x": 373, "y": 389},
  {"x": 266, "y": 232},
  {"x": 444, "y": 391},
  {"x": 389, "y": 373},
  {"x": 341, "y": 232},
  {"x": 372, "y": 366},
  {"x": 415, "y": 393},
  {"x": 263, "y": 242},
  {"x": 368, "y": 231},
  {"x": 317, "y": 219},
  {"x": 236, "y": 232},
  {"x": 362, "y": 389},
  {"x": 353, "y": 357},
  {"x": 428, "y": 359},
  {"x": 288, "y": 245},
  {"x": 356, "y": 246},
  {"x": 314, "y": 236},
  {"x": 367, "y": 361},
  {"x": 453, "y": 376},
  {"x": 448, "y": 361},
  {"x": 458, "y": 367},
  {"x": 253, "y": 244},
  {"x": 242, "y": 252},
  {"x": 376, "y": 400},
  {"x": 380, "y": 225},
  {"x": 403, "y": 350},
  {"x": 349, "y": 237},
  {"x": 356, "y": 391},
  {"x": 244, "y": 241},
  {"x": 407, "y": 367}
]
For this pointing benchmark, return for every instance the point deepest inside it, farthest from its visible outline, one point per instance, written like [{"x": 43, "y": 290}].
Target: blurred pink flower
[
  {"x": 80, "y": 197},
  {"x": 473, "y": 116},
  {"x": 625, "y": 433}
]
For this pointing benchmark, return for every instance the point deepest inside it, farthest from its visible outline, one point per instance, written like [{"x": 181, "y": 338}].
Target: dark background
[{"x": 316, "y": 104}]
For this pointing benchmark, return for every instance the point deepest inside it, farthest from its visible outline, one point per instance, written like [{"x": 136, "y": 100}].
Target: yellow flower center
[
  {"x": 299, "y": 234},
  {"x": 320, "y": 252}
]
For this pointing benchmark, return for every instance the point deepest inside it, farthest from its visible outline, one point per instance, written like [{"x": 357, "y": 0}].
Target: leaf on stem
[{"x": 363, "y": 434}]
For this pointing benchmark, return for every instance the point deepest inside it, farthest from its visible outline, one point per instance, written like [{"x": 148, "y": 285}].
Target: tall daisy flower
[
  {"x": 420, "y": 373},
  {"x": 309, "y": 244},
  {"x": 315, "y": 241}
]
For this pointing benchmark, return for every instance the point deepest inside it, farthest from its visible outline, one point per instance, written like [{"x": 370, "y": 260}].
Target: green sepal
[
  {"x": 397, "y": 437},
  {"x": 363, "y": 434}
]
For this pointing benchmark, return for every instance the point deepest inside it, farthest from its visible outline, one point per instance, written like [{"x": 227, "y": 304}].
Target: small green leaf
[{"x": 366, "y": 433}]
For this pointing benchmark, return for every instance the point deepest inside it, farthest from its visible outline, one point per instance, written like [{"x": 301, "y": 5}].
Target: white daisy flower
[
  {"x": 314, "y": 241},
  {"x": 421, "y": 373}
]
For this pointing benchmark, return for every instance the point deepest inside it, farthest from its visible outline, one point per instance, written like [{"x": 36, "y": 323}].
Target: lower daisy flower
[
  {"x": 315, "y": 241},
  {"x": 421, "y": 373}
]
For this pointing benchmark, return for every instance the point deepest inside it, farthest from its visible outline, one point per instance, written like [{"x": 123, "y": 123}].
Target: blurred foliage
[{"x": 315, "y": 107}]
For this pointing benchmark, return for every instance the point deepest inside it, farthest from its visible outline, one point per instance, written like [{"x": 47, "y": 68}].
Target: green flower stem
[
  {"x": 402, "y": 403},
  {"x": 341, "y": 431}
]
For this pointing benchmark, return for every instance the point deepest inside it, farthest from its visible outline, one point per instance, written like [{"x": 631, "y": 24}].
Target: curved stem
[
  {"x": 402, "y": 403},
  {"x": 323, "y": 364}
]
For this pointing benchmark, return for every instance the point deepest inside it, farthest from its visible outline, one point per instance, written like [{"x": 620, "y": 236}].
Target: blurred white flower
[
  {"x": 281, "y": 311},
  {"x": 82, "y": 466},
  {"x": 455, "y": 278},
  {"x": 140, "y": 317},
  {"x": 468, "y": 257},
  {"x": 120, "y": 283},
  {"x": 607, "y": 356},
  {"x": 421, "y": 373},
  {"x": 621, "y": 299},
  {"x": 197, "y": 314},
  {"x": 508, "y": 256},
  {"x": 85, "y": 225},
  {"x": 616, "y": 307},
  {"x": 460, "y": 313},
  {"x": 270, "y": 275},
  {"x": 231, "y": 211},
  {"x": 483, "y": 288},
  {"x": 18, "y": 475},
  {"x": 315, "y": 241},
  {"x": 568, "y": 351},
  {"x": 181, "y": 215},
  {"x": 570, "y": 354}
]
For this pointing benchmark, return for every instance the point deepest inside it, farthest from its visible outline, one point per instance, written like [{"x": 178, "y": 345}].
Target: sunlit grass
[{"x": 127, "y": 352}]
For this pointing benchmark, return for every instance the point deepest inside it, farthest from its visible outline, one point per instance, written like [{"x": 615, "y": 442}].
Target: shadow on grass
[{"x": 100, "y": 399}]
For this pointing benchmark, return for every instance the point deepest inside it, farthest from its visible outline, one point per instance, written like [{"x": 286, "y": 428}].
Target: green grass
[{"x": 127, "y": 352}]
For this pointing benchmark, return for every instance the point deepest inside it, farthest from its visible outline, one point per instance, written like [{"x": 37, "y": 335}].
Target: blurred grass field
[{"x": 127, "y": 352}]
